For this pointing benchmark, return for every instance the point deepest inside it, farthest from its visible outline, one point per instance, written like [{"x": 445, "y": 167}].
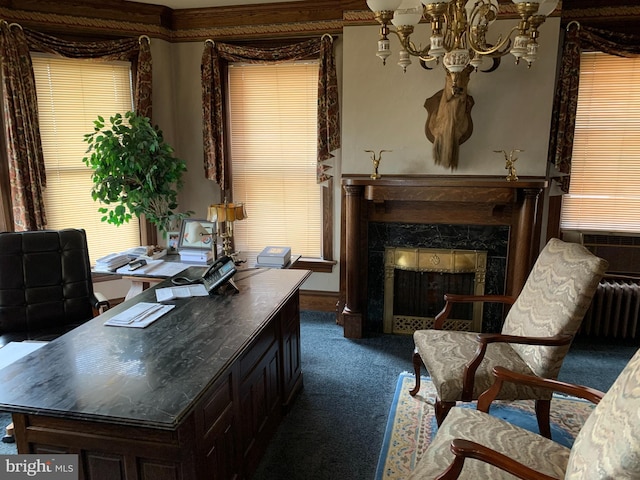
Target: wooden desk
[{"x": 195, "y": 395}]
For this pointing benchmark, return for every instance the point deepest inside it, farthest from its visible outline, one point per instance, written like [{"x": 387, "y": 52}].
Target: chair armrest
[
  {"x": 484, "y": 339},
  {"x": 503, "y": 375},
  {"x": 100, "y": 303},
  {"x": 555, "y": 341},
  {"x": 463, "y": 449},
  {"x": 451, "y": 298}
]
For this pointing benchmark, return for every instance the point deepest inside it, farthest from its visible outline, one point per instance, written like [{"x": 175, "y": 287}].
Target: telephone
[{"x": 219, "y": 274}]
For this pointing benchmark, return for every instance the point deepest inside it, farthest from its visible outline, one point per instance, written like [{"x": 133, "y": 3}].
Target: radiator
[{"x": 614, "y": 311}]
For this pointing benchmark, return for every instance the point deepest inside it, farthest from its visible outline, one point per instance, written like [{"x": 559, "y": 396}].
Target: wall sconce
[{"x": 224, "y": 215}]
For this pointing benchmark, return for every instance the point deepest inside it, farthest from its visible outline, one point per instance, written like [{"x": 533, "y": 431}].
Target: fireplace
[
  {"x": 416, "y": 279},
  {"x": 483, "y": 213}
]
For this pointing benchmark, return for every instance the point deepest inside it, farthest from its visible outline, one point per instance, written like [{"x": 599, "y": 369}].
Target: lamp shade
[
  {"x": 408, "y": 13},
  {"x": 547, "y": 7},
  {"x": 383, "y": 5},
  {"x": 227, "y": 212}
]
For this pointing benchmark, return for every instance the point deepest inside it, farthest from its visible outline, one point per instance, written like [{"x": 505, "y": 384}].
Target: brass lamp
[{"x": 224, "y": 215}]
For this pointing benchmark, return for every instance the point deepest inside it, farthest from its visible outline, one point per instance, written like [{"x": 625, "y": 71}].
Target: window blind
[
  {"x": 604, "y": 193},
  {"x": 273, "y": 138},
  {"x": 71, "y": 94}
]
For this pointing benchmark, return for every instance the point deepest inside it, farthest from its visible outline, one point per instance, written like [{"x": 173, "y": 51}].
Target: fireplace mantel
[{"x": 429, "y": 199}]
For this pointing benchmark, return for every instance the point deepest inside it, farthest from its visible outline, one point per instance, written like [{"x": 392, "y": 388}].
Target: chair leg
[
  {"x": 543, "y": 407},
  {"x": 8, "y": 437},
  {"x": 417, "y": 362},
  {"x": 442, "y": 409}
]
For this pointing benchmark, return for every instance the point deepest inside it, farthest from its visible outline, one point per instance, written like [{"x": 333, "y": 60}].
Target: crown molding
[{"x": 103, "y": 18}]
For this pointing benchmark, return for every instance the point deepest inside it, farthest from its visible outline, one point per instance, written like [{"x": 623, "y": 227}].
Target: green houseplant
[{"x": 134, "y": 171}]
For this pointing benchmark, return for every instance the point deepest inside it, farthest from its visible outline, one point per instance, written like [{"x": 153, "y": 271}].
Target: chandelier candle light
[
  {"x": 224, "y": 215},
  {"x": 458, "y": 30}
]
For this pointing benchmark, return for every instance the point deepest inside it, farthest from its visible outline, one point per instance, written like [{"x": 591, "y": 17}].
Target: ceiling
[{"x": 181, "y": 4}]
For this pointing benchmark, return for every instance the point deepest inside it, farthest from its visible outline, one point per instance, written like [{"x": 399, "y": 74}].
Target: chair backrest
[
  {"x": 553, "y": 301},
  {"x": 608, "y": 445},
  {"x": 45, "y": 281}
]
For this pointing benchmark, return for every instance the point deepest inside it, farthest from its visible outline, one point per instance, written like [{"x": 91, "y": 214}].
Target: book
[{"x": 274, "y": 256}]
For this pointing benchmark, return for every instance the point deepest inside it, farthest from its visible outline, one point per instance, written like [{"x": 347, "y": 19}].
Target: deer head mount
[{"x": 449, "y": 121}]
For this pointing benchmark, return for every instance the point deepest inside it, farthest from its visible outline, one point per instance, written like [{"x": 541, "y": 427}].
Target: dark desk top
[{"x": 150, "y": 376}]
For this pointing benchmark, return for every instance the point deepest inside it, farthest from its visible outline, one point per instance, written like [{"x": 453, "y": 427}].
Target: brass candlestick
[
  {"x": 510, "y": 161},
  {"x": 376, "y": 162}
]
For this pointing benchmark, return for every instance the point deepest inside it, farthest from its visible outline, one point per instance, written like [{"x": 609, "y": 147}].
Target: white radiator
[{"x": 614, "y": 311}]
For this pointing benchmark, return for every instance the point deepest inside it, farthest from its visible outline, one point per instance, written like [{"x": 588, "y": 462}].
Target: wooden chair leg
[
  {"x": 543, "y": 409},
  {"x": 442, "y": 409},
  {"x": 8, "y": 437},
  {"x": 417, "y": 362}
]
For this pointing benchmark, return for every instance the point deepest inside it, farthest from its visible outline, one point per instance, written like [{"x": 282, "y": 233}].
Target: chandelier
[{"x": 459, "y": 30}]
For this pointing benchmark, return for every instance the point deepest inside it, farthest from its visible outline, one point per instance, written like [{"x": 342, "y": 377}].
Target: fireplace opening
[{"x": 416, "y": 280}]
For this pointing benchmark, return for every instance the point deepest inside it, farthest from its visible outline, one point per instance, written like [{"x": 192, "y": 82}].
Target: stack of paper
[
  {"x": 150, "y": 265},
  {"x": 140, "y": 315},
  {"x": 185, "y": 291},
  {"x": 111, "y": 262}
]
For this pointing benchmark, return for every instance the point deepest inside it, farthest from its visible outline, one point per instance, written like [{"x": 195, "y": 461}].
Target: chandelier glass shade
[{"x": 459, "y": 30}]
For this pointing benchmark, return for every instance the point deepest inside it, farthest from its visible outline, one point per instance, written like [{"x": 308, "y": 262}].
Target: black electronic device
[{"x": 219, "y": 274}]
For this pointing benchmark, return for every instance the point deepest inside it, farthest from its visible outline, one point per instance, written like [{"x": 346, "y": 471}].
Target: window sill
[{"x": 314, "y": 264}]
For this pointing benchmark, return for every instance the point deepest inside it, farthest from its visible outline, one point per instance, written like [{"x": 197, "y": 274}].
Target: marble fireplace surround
[{"x": 432, "y": 201}]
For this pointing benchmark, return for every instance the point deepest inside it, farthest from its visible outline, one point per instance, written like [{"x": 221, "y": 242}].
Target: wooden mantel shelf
[
  {"x": 433, "y": 199},
  {"x": 430, "y": 188}
]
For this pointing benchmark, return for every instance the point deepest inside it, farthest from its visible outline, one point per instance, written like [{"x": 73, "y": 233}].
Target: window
[
  {"x": 71, "y": 94},
  {"x": 604, "y": 193},
  {"x": 273, "y": 144}
]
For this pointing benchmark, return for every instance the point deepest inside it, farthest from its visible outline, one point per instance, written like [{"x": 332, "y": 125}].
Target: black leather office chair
[
  {"x": 45, "y": 284},
  {"x": 46, "y": 288}
]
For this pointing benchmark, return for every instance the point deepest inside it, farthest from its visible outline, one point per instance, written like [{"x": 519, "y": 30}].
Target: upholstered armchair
[
  {"x": 45, "y": 284},
  {"x": 471, "y": 444},
  {"x": 534, "y": 340}
]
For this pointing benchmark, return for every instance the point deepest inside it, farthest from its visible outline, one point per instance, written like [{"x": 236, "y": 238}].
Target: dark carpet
[{"x": 336, "y": 425}]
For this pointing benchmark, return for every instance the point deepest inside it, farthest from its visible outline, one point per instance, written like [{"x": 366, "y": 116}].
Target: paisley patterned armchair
[
  {"x": 474, "y": 445},
  {"x": 535, "y": 337}
]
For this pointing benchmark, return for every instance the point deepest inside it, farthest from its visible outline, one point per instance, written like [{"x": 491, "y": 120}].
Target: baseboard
[{"x": 320, "y": 301}]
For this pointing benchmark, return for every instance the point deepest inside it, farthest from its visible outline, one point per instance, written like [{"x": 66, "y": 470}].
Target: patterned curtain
[
  {"x": 22, "y": 137},
  {"x": 579, "y": 38},
  {"x": 24, "y": 148},
  {"x": 212, "y": 97}
]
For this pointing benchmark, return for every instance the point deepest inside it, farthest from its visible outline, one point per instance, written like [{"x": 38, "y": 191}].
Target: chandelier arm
[
  {"x": 410, "y": 47},
  {"x": 497, "y": 48}
]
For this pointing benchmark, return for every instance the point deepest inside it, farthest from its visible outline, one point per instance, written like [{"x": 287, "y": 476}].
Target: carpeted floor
[
  {"x": 412, "y": 424},
  {"x": 336, "y": 426}
]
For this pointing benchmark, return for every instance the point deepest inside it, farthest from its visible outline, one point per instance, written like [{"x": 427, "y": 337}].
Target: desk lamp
[{"x": 224, "y": 215}]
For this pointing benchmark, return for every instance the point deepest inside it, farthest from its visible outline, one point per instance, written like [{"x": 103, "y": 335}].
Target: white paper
[
  {"x": 155, "y": 268},
  {"x": 185, "y": 291},
  {"x": 139, "y": 315}
]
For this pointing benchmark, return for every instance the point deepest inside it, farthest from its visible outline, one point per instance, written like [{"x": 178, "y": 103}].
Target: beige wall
[{"x": 382, "y": 108}]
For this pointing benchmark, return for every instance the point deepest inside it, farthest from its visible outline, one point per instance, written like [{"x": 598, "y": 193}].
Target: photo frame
[
  {"x": 173, "y": 238},
  {"x": 196, "y": 235}
]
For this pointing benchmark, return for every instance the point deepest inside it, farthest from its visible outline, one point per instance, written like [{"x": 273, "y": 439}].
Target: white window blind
[
  {"x": 71, "y": 94},
  {"x": 604, "y": 193},
  {"x": 273, "y": 137}
]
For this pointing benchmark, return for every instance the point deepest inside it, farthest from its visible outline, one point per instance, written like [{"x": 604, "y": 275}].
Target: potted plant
[{"x": 134, "y": 171}]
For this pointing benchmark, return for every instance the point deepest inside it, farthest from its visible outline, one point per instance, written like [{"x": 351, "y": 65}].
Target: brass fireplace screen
[{"x": 416, "y": 280}]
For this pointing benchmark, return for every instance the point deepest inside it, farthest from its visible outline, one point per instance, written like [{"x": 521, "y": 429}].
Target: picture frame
[
  {"x": 173, "y": 238},
  {"x": 196, "y": 235}
]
